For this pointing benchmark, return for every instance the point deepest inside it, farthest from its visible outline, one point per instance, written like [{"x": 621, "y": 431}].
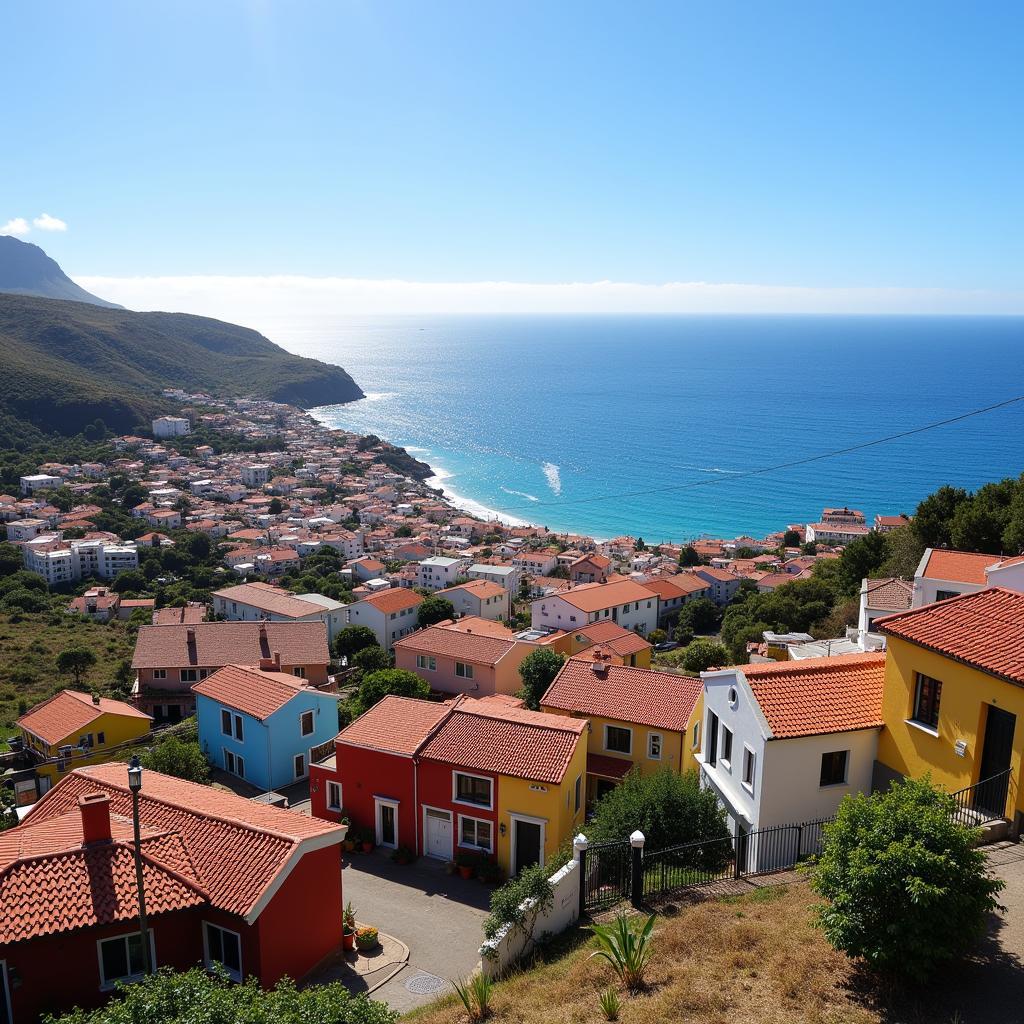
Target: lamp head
[{"x": 135, "y": 774}]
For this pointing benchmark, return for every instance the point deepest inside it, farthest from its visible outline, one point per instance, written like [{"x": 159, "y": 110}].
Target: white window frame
[
  {"x": 239, "y": 729},
  {"x": 489, "y": 806},
  {"x": 378, "y": 803},
  {"x": 695, "y": 740},
  {"x": 107, "y": 986},
  {"x": 625, "y": 729},
  {"x": 477, "y": 822},
  {"x": 651, "y": 737},
  {"x": 724, "y": 730},
  {"x": 543, "y": 822},
  {"x": 236, "y": 759},
  {"x": 467, "y": 670},
  {"x": 577, "y": 794},
  {"x": 299, "y": 671},
  {"x": 159, "y": 673},
  {"x": 845, "y": 780},
  {"x": 302, "y": 723},
  {"x": 206, "y": 951},
  {"x": 224, "y": 713},
  {"x": 331, "y": 806},
  {"x": 304, "y": 767},
  {"x": 426, "y": 662},
  {"x": 751, "y": 754},
  {"x": 183, "y": 672}
]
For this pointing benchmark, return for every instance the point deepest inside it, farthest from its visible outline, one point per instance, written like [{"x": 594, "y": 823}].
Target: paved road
[{"x": 438, "y": 916}]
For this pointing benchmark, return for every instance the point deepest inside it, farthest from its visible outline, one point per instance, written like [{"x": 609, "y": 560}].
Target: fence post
[
  {"x": 636, "y": 880},
  {"x": 799, "y": 843},
  {"x": 579, "y": 854}
]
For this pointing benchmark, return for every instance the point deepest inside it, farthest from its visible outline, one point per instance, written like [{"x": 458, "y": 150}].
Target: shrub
[
  {"x": 519, "y": 901},
  {"x": 475, "y": 994},
  {"x": 180, "y": 758},
  {"x": 397, "y": 681},
  {"x": 537, "y": 671},
  {"x": 352, "y": 639},
  {"x": 704, "y": 654},
  {"x": 626, "y": 946},
  {"x": 904, "y": 886},
  {"x": 610, "y": 1004},
  {"x": 371, "y": 659},
  {"x": 434, "y": 609}
]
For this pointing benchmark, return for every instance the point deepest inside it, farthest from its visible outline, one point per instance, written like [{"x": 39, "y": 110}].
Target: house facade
[
  {"x": 223, "y": 878},
  {"x": 261, "y": 724},
  {"x": 391, "y": 614},
  {"x": 480, "y": 598},
  {"x": 629, "y": 604},
  {"x": 481, "y": 776},
  {"x": 438, "y": 572},
  {"x": 255, "y": 602}
]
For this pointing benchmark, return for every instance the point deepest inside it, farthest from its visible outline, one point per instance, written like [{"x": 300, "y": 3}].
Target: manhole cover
[{"x": 426, "y": 984}]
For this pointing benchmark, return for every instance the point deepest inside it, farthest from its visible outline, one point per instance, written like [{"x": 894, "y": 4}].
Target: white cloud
[
  {"x": 274, "y": 301},
  {"x": 47, "y": 223},
  {"x": 15, "y": 226}
]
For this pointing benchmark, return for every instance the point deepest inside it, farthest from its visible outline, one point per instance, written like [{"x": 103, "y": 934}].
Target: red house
[{"x": 255, "y": 888}]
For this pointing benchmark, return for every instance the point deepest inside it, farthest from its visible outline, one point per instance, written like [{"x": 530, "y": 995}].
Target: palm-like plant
[
  {"x": 626, "y": 948},
  {"x": 475, "y": 994},
  {"x": 610, "y": 1004}
]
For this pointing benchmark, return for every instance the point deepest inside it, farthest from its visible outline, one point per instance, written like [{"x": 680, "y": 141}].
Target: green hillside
[{"x": 65, "y": 364}]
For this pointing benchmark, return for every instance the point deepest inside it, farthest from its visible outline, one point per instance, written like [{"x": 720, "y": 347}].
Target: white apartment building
[
  {"x": 391, "y": 614},
  {"x": 21, "y": 530},
  {"x": 439, "y": 572},
  {"x": 171, "y": 426},
  {"x": 40, "y": 482},
  {"x": 256, "y": 475},
  {"x": 59, "y": 561},
  {"x": 506, "y": 576},
  {"x": 628, "y": 603}
]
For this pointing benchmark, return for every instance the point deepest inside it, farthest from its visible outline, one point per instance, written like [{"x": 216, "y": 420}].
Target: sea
[{"x": 675, "y": 427}]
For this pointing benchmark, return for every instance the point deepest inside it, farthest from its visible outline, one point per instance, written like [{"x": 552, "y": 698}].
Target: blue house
[{"x": 260, "y": 723}]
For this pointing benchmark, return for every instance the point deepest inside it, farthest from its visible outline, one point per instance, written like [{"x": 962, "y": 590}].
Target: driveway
[{"x": 438, "y": 916}]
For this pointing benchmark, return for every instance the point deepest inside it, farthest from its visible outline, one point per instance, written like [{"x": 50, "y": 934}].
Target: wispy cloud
[
  {"x": 274, "y": 300},
  {"x": 47, "y": 223},
  {"x": 15, "y": 226}
]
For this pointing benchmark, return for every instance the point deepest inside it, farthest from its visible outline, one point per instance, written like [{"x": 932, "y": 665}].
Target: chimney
[
  {"x": 190, "y": 636},
  {"x": 95, "y": 808}
]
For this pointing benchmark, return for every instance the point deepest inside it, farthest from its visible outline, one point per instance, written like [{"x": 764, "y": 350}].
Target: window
[
  {"x": 726, "y": 746},
  {"x": 233, "y": 763},
  {"x": 696, "y": 735},
  {"x": 475, "y": 832},
  {"x": 188, "y": 675},
  {"x": 618, "y": 740},
  {"x": 101, "y": 738},
  {"x": 225, "y": 722},
  {"x": 223, "y": 947},
  {"x": 748, "y": 768},
  {"x": 654, "y": 746},
  {"x": 306, "y": 723},
  {"x": 833, "y": 768},
  {"x": 334, "y": 796},
  {"x": 577, "y": 793},
  {"x": 472, "y": 789},
  {"x": 299, "y": 765},
  {"x": 945, "y": 595},
  {"x": 159, "y": 673},
  {"x": 121, "y": 959},
  {"x": 712, "y": 735},
  {"x": 427, "y": 662},
  {"x": 463, "y": 671},
  {"x": 926, "y": 701},
  {"x": 299, "y": 671},
  {"x": 238, "y": 727}
]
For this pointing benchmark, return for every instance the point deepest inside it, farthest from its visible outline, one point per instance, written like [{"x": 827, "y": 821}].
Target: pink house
[{"x": 462, "y": 661}]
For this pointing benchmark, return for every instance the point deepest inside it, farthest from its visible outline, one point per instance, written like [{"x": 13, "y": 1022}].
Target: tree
[
  {"x": 276, "y": 506},
  {"x": 667, "y": 807},
  {"x": 397, "y": 681},
  {"x": 700, "y": 616},
  {"x": 810, "y": 548},
  {"x": 933, "y": 519},
  {"x": 76, "y": 660},
  {"x": 371, "y": 659},
  {"x": 688, "y": 556},
  {"x": 704, "y": 654},
  {"x": 791, "y": 539},
  {"x": 905, "y": 551},
  {"x": 130, "y": 581},
  {"x": 352, "y": 639},
  {"x": 434, "y": 609},
  {"x": 537, "y": 671},
  {"x": 639, "y": 544},
  {"x": 861, "y": 558},
  {"x": 132, "y": 495},
  {"x": 183, "y": 759},
  {"x": 168, "y": 997},
  {"x": 10, "y": 559},
  {"x": 904, "y": 885},
  {"x": 657, "y": 636},
  {"x": 8, "y": 816}
]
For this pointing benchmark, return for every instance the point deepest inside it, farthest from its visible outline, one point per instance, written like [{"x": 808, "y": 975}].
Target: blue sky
[{"x": 823, "y": 145}]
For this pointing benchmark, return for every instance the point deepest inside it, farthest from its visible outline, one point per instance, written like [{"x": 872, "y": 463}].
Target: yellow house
[
  {"x": 954, "y": 695},
  {"x": 637, "y": 717},
  {"x": 72, "y": 729},
  {"x": 625, "y": 646}
]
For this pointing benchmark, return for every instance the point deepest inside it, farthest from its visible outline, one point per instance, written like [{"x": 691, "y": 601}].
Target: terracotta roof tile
[
  {"x": 474, "y": 647},
  {"x": 593, "y": 597},
  {"x": 252, "y": 690},
  {"x": 984, "y": 630},
  {"x": 395, "y": 599},
  {"x": 268, "y": 598},
  {"x": 230, "y": 643},
  {"x": 958, "y": 566},
  {"x": 819, "y": 695},
  {"x": 395, "y": 725},
  {"x": 67, "y": 713},
  {"x": 892, "y": 593},
  {"x": 660, "y": 700}
]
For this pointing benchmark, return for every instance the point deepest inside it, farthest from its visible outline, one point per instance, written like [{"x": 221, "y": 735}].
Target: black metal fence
[
  {"x": 606, "y": 875},
  {"x": 985, "y": 801}
]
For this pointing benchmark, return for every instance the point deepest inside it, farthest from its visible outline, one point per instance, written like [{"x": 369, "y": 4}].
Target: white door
[{"x": 439, "y": 833}]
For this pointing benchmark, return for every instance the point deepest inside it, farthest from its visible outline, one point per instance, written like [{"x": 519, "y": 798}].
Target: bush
[
  {"x": 371, "y": 659},
  {"x": 180, "y": 758},
  {"x": 537, "y": 671},
  {"x": 520, "y": 900},
  {"x": 397, "y": 681},
  {"x": 904, "y": 885},
  {"x": 168, "y": 997},
  {"x": 353, "y": 639},
  {"x": 434, "y": 609},
  {"x": 701, "y": 655}
]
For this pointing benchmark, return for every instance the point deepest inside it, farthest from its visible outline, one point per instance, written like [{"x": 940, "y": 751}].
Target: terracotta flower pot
[
  {"x": 466, "y": 872},
  {"x": 348, "y": 940},
  {"x": 367, "y": 847}
]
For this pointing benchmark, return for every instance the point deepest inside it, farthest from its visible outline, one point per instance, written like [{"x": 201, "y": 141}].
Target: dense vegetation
[{"x": 68, "y": 363}]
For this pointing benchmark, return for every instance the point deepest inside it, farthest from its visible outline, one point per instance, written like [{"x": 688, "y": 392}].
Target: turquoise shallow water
[{"x": 561, "y": 419}]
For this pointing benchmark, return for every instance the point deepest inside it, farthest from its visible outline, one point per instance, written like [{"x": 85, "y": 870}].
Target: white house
[
  {"x": 391, "y": 614},
  {"x": 505, "y": 576},
  {"x": 944, "y": 573},
  {"x": 256, "y": 475},
  {"x": 171, "y": 426},
  {"x": 439, "y": 572},
  {"x": 628, "y": 603},
  {"x": 21, "y": 530},
  {"x": 784, "y": 742},
  {"x": 40, "y": 482},
  {"x": 835, "y": 533},
  {"x": 879, "y": 598},
  {"x": 481, "y": 598},
  {"x": 262, "y": 602},
  {"x": 536, "y": 563}
]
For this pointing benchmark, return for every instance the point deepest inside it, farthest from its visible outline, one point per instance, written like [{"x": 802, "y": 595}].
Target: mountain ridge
[{"x": 25, "y": 269}]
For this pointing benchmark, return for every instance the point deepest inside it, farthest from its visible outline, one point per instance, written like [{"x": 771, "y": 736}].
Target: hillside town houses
[{"x": 927, "y": 680}]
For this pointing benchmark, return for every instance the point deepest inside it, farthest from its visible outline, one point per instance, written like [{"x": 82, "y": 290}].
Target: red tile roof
[
  {"x": 395, "y": 725},
  {"x": 394, "y": 600},
  {"x": 236, "y": 848},
  {"x": 958, "y": 566},
  {"x": 608, "y": 767},
  {"x": 67, "y": 713},
  {"x": 268, "y": 598},
  {"x": 984, "y": 630},
  {"x": 660, "y": 700},
  {"x": 819, "y": 695},
  {"x": 474, "y": 647},
  {"x": 890, "y": 593},
  {"x": 252, "y": 690},
  {"x": 230, "y": 643},
  {"x": 593, "y": 597}
]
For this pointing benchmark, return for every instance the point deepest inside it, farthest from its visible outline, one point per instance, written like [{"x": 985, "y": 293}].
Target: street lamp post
[{"x": 135, "y": 784}]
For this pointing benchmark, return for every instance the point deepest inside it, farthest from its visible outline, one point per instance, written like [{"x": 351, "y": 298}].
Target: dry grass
[{"x": 752, "y": 958}]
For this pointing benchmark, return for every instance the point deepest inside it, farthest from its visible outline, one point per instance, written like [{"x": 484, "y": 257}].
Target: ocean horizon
[{"x": 652, "y": 424}]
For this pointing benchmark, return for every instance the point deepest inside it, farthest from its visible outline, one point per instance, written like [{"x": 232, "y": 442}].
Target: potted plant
[
  {"x": 489, "y": 872},
  {"x": 348, "y": 927},
  {"x": 366, "y": 839},
  {"x": 465, "y": 862},
  {"x": 449, "y": 867},
  {"x": 403, "y": 855},
  {"x": 366, "y": 939},
  {"x": 350, "y": 842}
]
